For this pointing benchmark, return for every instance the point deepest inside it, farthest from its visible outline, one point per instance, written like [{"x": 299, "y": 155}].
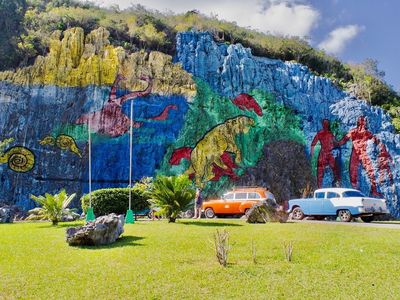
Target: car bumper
[{"x": 373, "y": 210}]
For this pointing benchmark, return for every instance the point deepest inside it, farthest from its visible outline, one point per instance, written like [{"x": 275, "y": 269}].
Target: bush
[
  {"x": 171, "y": 195},
  {"x": 115, "y": 200}
]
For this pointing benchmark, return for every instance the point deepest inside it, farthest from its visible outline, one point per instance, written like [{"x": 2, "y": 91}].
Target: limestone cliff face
[
  {"x": 78, "y": 61},
  {"x": 231, "y": 70},
  {"x": 41, "y": 107},
  {"x": 215, "y": 112}
]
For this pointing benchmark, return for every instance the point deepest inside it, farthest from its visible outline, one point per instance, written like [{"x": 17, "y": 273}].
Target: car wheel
[
  {"x": 345, "y": 215},
  {"x": 297, "y": 214},
  {"x": 367, "y": 219},
  {"x": 189, "y": 214},
  {"x": 209, "y": 213}
]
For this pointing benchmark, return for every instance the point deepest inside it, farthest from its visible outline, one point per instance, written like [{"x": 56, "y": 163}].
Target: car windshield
[
  {"x": 350, "y": 194},
  {"x": 228, "y": 196}
]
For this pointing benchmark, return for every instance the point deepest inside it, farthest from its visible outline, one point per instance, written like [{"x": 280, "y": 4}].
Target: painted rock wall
[
  {"x": 218, "y": 113},
  {"x": 45, "y": 109},
  {"x": 349, "y": 143}
]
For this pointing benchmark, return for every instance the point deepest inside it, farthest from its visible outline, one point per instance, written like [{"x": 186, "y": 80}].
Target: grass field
[{"x": 157, "y": 260}]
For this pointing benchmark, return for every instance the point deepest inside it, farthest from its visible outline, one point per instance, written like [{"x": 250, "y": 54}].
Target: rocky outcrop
[
  {"x": 231, "y": 70},
  {"x": 6, "y": 215},
  {"x": 179, "y": 105},
  {"x": 103, "y": 231},
  {"x": 264, "y": 212},
  {"x": 40, "y": 106},
  {"x": 78, "y": 61}
]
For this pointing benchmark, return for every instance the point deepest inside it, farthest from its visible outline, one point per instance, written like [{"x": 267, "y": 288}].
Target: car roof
[
  {"x": 247, "y": 189},
  {"x": 337, "y": 190}
]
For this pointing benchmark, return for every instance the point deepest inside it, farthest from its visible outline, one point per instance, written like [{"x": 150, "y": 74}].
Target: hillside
[
  {"x": 216, "y": 110},
  {"x": 28, "y": 34}
]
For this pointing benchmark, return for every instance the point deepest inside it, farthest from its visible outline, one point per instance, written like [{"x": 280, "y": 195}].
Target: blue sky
[
  {"x": 352, "y": 30},
  {"x": 379, "y": 35}
]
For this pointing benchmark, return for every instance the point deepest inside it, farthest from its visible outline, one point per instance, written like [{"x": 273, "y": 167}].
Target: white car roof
[{"x": 336, "y": 190}]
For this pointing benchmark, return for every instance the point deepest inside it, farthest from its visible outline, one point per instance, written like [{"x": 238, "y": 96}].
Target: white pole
[
  {"x": 130, "y": 157},
  {"x": 90, "y": 167}
]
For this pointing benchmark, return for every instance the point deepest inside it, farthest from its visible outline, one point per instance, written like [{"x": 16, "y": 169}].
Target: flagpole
[
  {"x": 90, "y": 214},
  {"x": 129, "y": 214}
]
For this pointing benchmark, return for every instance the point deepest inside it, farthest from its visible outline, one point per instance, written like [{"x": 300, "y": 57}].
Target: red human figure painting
[
  {"x": 325, "y": 157},
  {"x": 384, "y": 161},
  {"x": 110, "y": 120},
  {"x": 359, "y": 156}
]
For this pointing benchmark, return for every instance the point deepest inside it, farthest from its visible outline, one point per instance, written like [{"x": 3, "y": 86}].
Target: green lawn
[{"x": 157, "y": 260}]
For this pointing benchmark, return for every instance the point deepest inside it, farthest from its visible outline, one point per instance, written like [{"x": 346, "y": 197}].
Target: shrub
[
  {"x": 115, "y": 200},
  {"x": 53, "y": 207},
  {"x": 171, "y": 195}
]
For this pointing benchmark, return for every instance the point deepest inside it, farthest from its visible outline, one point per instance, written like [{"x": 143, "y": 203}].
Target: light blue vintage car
[{"x": 341, "y": 202}]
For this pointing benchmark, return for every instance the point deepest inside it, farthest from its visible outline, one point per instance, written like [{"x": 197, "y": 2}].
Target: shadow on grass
[
  {"x": 62, "y": 225},
  {"x": 125, "y": 241},
  {"x": 208, "y": 223}
]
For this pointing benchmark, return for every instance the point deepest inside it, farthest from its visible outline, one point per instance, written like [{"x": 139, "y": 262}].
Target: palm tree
[
  {"x": 171, "y": 195},
  {"x": 53, "y": 207}
]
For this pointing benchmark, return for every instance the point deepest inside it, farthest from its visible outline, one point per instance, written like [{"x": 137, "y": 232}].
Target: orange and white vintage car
[{"x": 235, "y": 202}]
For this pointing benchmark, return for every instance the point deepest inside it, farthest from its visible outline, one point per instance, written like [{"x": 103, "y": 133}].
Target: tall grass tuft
[
  {"x": 222, "y": 247},
  {"x": 288, "y": 250}
]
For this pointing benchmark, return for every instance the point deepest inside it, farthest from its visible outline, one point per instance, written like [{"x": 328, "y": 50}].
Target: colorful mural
[
  {"x": 210, "y": 158},
  {"x": 110, "y": 119},
  {"x": 197, "y": 117}
]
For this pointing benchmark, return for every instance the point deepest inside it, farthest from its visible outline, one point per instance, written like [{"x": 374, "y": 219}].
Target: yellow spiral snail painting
[
  {"x": 62, "y": 141},
  {"x": 19, "y": 159}
]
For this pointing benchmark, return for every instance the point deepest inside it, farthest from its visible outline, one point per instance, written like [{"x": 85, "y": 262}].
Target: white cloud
[
  {"x": 282, "y": 17},
  {"x": 339, "y": 38}
]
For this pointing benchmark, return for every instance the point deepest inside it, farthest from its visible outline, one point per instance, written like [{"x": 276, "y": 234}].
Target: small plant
[
  {"x": 307, "y": 190},
  {"x": 53, "y": 207},
  {"x": 254, "y": 251},
  {"x": 222, "y": 247},
  {"x": 171, "y": 195},
  {"x": 288, "y": 250}
]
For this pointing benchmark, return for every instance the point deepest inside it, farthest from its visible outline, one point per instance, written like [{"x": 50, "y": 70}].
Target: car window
[
  {"x": 332, "y": 195},
  {"x": 228, "y": 196},
  {"x": 240, "y": 196},
  {"x": 320, "y": 195},
  {"x": 350, "y": 194},
  {"x": 254, "y": 196}
]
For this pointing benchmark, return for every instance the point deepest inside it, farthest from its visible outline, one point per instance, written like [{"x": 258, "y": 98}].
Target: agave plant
[
  {"x": 171, "y": 195},
  {"x": 53, "y": 207}
]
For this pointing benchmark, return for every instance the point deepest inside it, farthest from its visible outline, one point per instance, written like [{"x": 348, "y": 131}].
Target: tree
[
  {"x": 11, "y": 16},
  {"x": 53, "y": 207},
  {"x": 171, "y": 195}
]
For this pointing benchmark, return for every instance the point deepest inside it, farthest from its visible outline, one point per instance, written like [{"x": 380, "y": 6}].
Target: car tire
[
  {"x": 345, "y": 215},
  {"x": 188, "y": 214},
  {"x": 297, "y": 214},
  {"x": 209, "y": 213},
  {"x": 367, "y": 219}
]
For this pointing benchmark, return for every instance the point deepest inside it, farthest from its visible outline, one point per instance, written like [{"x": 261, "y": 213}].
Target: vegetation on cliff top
[{"x": 28, "y": 24}]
